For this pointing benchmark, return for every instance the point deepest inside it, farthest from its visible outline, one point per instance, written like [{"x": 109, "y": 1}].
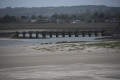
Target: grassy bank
[
  {"x": 78, "y": 46},
  {"x": 110, "y": 26},
  {"x": 106, "y": 45}
]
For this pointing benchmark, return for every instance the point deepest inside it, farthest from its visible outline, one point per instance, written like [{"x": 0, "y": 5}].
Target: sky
[{"x": 54, "y": 3}]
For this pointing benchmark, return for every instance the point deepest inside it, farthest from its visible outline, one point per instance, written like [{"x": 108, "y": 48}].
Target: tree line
[{"x": 55, "y": 18}]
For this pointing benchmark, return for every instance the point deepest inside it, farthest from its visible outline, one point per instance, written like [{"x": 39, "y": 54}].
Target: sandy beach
[{"x": 65, "y": 61}]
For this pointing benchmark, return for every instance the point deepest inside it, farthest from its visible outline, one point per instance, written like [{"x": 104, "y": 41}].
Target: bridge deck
[{"x": 47, "y": 30}]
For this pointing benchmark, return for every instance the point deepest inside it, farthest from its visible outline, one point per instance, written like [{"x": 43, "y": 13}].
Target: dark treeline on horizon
[
  {"x": 69, "y": 14},
  {"x": 63, "y": 18}
]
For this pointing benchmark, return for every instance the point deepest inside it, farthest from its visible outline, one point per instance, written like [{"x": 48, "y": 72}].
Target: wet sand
[{"x": 59, "y": 62}]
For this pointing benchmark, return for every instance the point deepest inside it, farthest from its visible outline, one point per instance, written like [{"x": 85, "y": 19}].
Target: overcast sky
[{"x": 50, "y": 3}]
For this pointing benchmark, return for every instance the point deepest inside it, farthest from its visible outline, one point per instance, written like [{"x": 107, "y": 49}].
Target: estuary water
[{"x": 53, "y": 40}]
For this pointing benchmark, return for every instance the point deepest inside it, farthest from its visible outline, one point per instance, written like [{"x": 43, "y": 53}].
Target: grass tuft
[{"x": 106, "y": 45}]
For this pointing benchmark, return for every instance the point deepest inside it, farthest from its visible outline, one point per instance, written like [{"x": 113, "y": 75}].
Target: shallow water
[{"x": 48, "y": 40}]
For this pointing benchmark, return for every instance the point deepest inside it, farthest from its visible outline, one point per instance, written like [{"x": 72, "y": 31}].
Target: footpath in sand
[{"x": 66, "y": 61}]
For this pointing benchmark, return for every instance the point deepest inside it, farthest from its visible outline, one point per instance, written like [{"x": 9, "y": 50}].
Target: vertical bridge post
[
  {"x": 63, "y": 34},
  {"x": 17, "y": 34},
  {"x": 76, "y": 33},
  {"x": 30, "y": 33},
  {"x": 83, "y": 34},
  {"x": 50, "y": 33},
  {"x": 37, "y": 34},
  {"x": 89, "y": 33},
  {"x": 24, "y": 34},
  {"x": 56, "y": 34},
  {"x": 96, "y": 34},
  {"x": 44, "y": 34},
  {"x": 69, "y": 33},
  {"x": 102, "y": 33}
]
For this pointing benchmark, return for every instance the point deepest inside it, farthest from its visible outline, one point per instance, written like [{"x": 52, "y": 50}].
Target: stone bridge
[{"x": 57, "y": 33}]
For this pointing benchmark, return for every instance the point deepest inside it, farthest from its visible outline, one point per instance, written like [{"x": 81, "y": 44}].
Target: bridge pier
[
  {"x": 56, "y": 34},
  {"x": 17, "y": 34},
  {"x": 69, "y": 34},
  {"x": 30, "y": 34},
  {"x": 102, "y": 33},
  {"x": 89, "y": 34},
  {"x": 50, "y": 33},
  {"x": 96, "y": 34},
  {"x": 83, "y": 34},
  {"x": 63, "y": 34},
  {"x": 43, "y": 34},
  {"x": 37, "y": 34},
  {"x": 24, "y": 34},
  {"x": 76, "y": 34}
]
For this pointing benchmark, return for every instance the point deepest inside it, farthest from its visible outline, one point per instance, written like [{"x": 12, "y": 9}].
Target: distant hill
[{"x": 59, "y": 10}]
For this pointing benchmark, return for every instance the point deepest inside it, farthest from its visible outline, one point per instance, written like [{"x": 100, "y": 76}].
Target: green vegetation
[
  {"x": 8, "y": 19},
  {"x": 76, "y": 26},
  {"x": 62, "y": 47},
  {"x": 79, "y": 47},
  {"x": 107, "y": 45}
]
